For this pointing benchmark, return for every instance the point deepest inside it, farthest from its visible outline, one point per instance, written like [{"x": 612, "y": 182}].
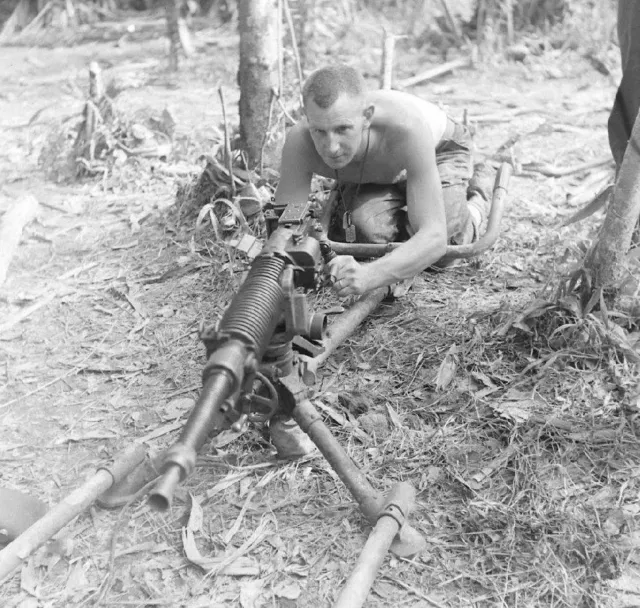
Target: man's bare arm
[
  {"x": 295, "y": 172},
  {"x": 425, "y": 208}
]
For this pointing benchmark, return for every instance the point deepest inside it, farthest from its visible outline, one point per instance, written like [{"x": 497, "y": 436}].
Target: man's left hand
[{"x": 350, "y": 277}]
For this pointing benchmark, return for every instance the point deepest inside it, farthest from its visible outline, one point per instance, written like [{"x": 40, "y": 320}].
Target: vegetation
[{"x": 504, "y": 390}]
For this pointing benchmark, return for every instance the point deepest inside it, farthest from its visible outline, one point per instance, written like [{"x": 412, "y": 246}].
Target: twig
[
  {"x": 228, "y": 537},
  {"x": 386, "y": 70},
  {"x": 288, "y": 116},
  {"x": 452, "y": 22},
  {"x": 551, "y": 171},
  {"x": 227, "y": 143},
  {"x": 27, "y": 312},
  {"x": 280, "y": 49},
  {"x": 435, "y": 72},
  {"x": 120, "y": 523},
  {"x": 19, "y": 214},
  {"x": 163, "y": 430},
  {"x": 21, "y": 316},
  {"x": 294, "y": 43},
  {"x": 508, "y": 7},
  {"x": 266, "y": 132},
  {"x": 506, "y": 115},
  {"x": 413, "y": 590},
  {"x": 41, "y": 388}
]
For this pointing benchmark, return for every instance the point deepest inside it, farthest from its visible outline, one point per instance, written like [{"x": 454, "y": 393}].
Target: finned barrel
[{"x": 255, "y": 310}]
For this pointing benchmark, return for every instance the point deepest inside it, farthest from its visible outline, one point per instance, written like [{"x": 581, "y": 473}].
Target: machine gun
[
  {"x": 261, "y": 360},
  {"x": 251, "y": 365},
  {"x": 254, "y": 342}
]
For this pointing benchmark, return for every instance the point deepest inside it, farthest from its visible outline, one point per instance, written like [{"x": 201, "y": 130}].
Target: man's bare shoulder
[{"x": 400, "y": 114}]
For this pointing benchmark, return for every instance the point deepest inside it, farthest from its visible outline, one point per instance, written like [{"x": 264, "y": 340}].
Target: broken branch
[
  {"x": 435, "y": 72},
  {"x": 20, "y": 213}
]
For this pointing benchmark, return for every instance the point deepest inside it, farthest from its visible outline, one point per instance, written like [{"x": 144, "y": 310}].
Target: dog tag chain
[{"x": 347, "y": 223}]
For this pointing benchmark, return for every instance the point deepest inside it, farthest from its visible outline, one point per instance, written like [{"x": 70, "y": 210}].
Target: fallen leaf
[
  {"x": 289, "y": 590},
  {"x": 29, "y": 578},
  {"x": 226, "y": 437},
  {"x": 77, "y": 579},
  {"x": 177, "y": 407},
  {"x": 85, "y": 437},
  {"x": 250, "y": 592},
  {"x": 395, "y": 417},
  {"x": 227, "y": 482},
  {"x": 518, "y": 411},
  {"x": 240, "y": 566},
  {"x": 448, "y": 368},
  {"x": 196, "y": 516}
]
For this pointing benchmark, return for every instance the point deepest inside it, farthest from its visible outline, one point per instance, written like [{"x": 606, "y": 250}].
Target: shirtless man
[{"x": 404, "y": 170}]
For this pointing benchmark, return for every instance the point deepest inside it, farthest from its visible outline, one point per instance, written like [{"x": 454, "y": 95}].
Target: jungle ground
[{"x": 509, "y": 410}]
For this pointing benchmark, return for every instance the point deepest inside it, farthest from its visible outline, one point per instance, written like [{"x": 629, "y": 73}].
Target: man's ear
[{"x": 368, "y": 114}]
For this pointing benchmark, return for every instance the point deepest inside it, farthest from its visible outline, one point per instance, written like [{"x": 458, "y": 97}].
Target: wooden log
[
  {"x": 435, "y": 72},
  {"x": 19, "y": 214}
]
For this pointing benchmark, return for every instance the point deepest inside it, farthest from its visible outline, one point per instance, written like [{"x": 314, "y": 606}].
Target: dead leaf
[
  {"x": 196, "y": 516},
  {"x": 289, "y": 590},
  {"x": 394, "y": 416},
  {"x": 148, "y": 547},
  {"x": 177, "y": 407},
  {"x": 248, "y": 244},
  {"x": 250, "y": 592},
  {"x": 614, "y": 522},
  {"x": 517, "y": 411},
  {"x": 448, "y": 368},
  {"x": 77, "y": 578},
  {"x": 240, "y": 566},
  {"x": 29, "y": 578},
  {"x": 228, "y": 481},
  {"x": 226, "y": 437}
]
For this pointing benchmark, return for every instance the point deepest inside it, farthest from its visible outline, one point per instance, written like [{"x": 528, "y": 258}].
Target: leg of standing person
[{"x": 627, "y": 101}]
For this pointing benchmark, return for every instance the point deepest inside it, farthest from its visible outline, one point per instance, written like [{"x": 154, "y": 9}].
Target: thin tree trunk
[
  {"x": 257, "y": 72},
  {"x": 173, "y": 32},
  {"x": 607, "y": 258},
  {"x": 21, "y": 16}
]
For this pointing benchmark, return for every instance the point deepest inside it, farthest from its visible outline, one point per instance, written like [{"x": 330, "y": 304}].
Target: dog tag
[
  {"x": 350, "y": 233},
  {"x": 346, "y": 220}
]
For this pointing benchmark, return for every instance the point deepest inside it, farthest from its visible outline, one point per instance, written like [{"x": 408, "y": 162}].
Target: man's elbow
[{"x": 435, "y": 241}]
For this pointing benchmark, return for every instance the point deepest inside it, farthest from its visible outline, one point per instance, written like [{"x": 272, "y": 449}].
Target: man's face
[{"x": 337, "y": 130}]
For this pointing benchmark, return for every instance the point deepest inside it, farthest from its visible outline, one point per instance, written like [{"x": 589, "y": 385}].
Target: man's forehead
[{"x": 345, "y": 108}]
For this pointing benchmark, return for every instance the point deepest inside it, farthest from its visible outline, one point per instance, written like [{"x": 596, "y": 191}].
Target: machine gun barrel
[{"x": 179, "y": 461}]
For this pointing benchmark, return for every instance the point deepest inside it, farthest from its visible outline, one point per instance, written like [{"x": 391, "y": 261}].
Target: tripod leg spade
[{"x": 407, "y": 541}]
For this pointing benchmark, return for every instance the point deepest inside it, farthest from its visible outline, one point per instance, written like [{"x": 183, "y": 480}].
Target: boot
[
  {"x": 479, "y": 194},
  {"x": 290, "y": 440}
]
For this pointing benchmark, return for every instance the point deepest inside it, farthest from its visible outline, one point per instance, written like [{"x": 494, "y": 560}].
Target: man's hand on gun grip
[{"x": 348, "y": 277}]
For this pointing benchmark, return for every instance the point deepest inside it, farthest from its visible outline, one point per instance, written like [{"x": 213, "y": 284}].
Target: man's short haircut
[{"x": 325, "y": 85}]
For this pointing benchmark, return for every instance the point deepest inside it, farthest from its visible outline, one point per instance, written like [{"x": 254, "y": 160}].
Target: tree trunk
[
  {"x": 21, "y": 16},
  {"x": 256, "y": 73},
  {"x": 607, "y": 258},
  {"x": 173, "y": 32}
]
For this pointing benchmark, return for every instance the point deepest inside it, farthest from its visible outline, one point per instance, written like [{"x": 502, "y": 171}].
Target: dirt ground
[{"x": 525, "y": 461}]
